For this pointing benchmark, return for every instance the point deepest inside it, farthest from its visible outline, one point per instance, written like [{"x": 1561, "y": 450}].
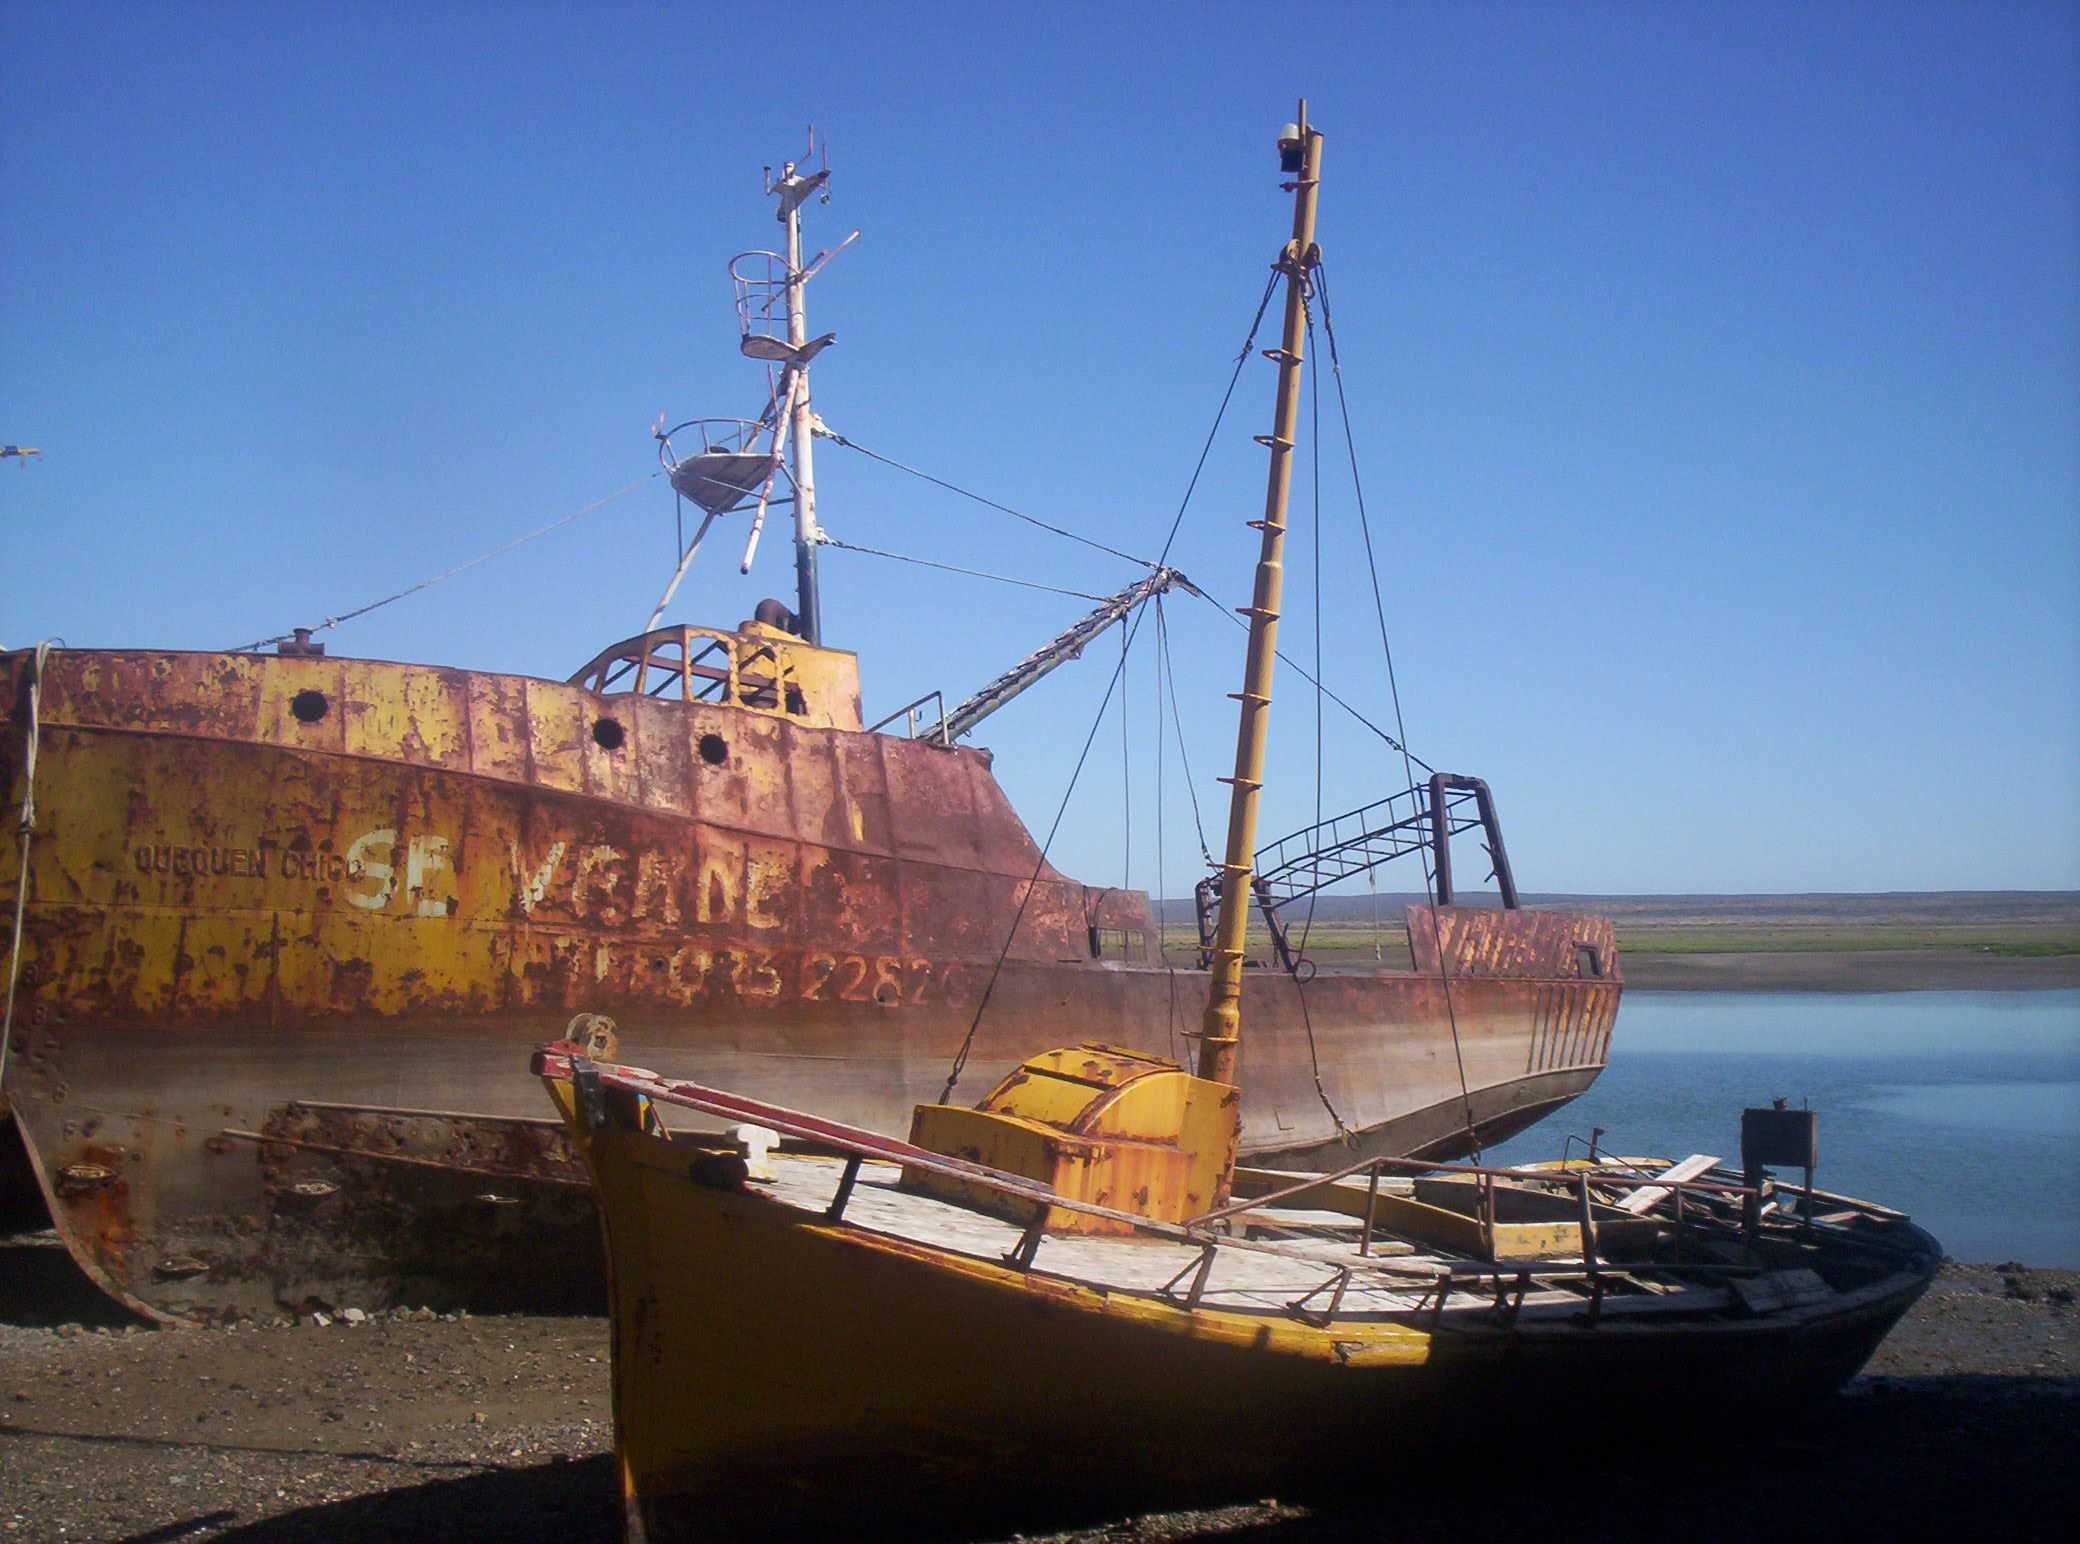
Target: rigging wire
[
  {"x": 873, "y": 455},
  {"x": 1249, "y": 343},
  {"x": 1032, "y": 885},
  {"x": 459, "y": 568},
  {"x": 1292, "y": 664},
  {"x": 1126, "y": 774},
  {"x": 1314, "y": 1059},
  {"x": 1394, "y": 687},
  {"x": 1314, "y": 459},
  {"x": 1184, "y": 756},
  {"x": 1162, "y": 654},
  {"x": 972, "y": 573}
]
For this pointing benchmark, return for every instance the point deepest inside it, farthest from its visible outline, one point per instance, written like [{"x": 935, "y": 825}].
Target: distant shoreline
[
  {"x": 1863, "y": 970},
  {"x": 1952, "y": 941}
]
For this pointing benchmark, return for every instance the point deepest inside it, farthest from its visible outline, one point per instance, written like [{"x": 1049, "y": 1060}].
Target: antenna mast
[
  {"x": 1300, "y": 151},
  {"x": 794, "y": 188}
]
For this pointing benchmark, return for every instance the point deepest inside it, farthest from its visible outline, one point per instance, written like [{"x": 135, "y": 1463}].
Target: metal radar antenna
[{"x": 741, "y": 462}]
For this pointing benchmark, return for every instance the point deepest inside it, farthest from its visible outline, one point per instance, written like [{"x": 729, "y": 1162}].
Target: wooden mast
[{"x": 1221, "y": 1031}]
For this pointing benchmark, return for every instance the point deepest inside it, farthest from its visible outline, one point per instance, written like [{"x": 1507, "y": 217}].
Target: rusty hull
[{"x": 267, "y": 947}]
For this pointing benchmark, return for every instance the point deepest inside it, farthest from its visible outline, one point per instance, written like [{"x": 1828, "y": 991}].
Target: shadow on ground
[
  {"x": 1939, "y": 1457},
  {"x": 557, "y": 1503},
  {"x": 45, "y": 1287}
]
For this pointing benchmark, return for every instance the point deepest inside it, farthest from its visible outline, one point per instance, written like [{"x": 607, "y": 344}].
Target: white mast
[
  {"x": 793, "y": 189},
  {"x": 736, "y": 464}
]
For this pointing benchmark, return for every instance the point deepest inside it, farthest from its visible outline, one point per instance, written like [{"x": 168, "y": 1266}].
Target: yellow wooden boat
[
  {"x": 1070, "y": 1296},
  {"x": 826, "y": 1347},
  {"x": 826, "y": 1344}
]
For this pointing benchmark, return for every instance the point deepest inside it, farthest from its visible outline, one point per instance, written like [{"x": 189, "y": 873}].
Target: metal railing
[{"x": 909, "y": 711}]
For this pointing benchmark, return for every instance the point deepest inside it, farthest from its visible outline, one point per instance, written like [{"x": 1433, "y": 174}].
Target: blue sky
[{"x": 1716, "y": 372}]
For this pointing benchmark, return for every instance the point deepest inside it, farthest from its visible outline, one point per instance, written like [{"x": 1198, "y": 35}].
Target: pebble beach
[{"x": 413, "y": 1426}]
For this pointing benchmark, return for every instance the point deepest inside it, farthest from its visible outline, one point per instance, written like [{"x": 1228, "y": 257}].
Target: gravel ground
[{"x": 423, "y": 1428}]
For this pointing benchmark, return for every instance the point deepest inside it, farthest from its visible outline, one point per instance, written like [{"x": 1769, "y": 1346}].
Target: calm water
[{"x": 1962, "y": 1108}]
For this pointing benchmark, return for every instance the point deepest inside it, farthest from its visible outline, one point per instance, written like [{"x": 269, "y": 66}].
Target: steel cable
[
  {"x": 960, "y": 1059},
  {"x": 1393, "y": 685},
  {"x": 890, "y": 461},
  {"x": 951, "y": 568},
  {"x": 427, "y": 584}
]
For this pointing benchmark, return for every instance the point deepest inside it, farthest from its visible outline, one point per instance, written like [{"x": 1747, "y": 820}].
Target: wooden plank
[
  {"x": 1882, "y": 1213},
  {"x": 1690, "y": 1168},
  {"x": 1258, "y": 1182},
  {"x": 1699, "y": 1300},
  {"x": 1781, "y": 1289},
  {"x": 1303, "y": 1217},
  {"x": 1431, "y": 1225}
]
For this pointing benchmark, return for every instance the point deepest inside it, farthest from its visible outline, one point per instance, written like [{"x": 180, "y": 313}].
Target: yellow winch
[{"x": 1117, "y": 1128}]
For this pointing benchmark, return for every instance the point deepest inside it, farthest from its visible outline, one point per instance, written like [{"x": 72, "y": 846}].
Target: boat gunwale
[
  {"x": 560, "y": 1062},
  {"x": 1371, "y": 1331}
]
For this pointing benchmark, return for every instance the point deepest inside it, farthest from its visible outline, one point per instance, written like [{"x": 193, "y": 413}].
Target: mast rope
[
  {"x": 1184, "y": 756},
  {"x": 1162, "y": 908},
  {"x": 1394, "y": 687},
  {"x": 1126, "y": 774},
  {"x": 1241, "y": 358},
  {"x": 1249, "y": 343},
  {"x": 890, "y": 461},
  {"x": 1314, "y": 466},
  {"x": 973, "y": 573},
  {"x": 1314, "y": 1058},
  {"x": 960, "y": 1058},
  {"x": 1294, "y": 665},
  {"x": 459, "y": 568}
]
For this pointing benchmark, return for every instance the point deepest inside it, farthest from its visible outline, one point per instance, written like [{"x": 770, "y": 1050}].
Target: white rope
[{"x": 28, "y": 825}]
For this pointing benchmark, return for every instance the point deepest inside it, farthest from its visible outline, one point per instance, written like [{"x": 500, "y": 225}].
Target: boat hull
[
  {"x": 338, "y": 935},
  {"x": 777, "y": 1373}
]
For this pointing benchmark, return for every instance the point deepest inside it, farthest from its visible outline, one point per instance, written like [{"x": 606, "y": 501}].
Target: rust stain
[{"x": 252, "y": 870}]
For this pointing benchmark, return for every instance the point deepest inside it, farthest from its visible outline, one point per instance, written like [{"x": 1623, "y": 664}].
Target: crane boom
[{"x": 1060, "y": 650}]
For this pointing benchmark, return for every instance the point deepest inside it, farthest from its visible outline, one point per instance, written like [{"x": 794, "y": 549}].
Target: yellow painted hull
[{"x": 777, "y": 1372}]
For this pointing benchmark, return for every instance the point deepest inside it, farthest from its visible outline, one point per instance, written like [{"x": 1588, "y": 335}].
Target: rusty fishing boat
[
  {"x": 897, "y": 1332},
  {"x": 283, "y": 923}
]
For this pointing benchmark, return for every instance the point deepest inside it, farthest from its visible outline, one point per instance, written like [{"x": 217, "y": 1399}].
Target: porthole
[
  {"x": 608, "y": 734},
  {"x": 308, "y": 706},
  {"x": 714, "y": 750}
]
